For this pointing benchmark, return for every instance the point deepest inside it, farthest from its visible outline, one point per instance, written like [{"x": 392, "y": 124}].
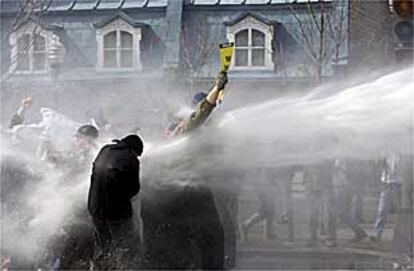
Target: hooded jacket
[{"x": 114, "y": 181}]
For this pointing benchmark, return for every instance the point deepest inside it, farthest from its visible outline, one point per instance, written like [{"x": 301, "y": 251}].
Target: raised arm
[
  {"x": 18, "y": 117},
  {"x": 206, "y": 106}
]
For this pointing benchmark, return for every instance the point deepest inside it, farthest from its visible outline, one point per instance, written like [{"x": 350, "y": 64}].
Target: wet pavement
[{"x": 347, "y": 255}]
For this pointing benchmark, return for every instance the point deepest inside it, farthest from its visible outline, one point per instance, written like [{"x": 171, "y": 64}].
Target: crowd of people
[{"x": 191, "y": 222}]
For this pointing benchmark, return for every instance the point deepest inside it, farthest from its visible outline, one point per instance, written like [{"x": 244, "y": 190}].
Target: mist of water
[{"x": 359, "y": 122}]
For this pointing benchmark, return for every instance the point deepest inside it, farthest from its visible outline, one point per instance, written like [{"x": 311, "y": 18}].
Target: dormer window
[
  {"x": 250, "y": 48},
  {"x": 29, "y": 46},
  {"x": 118, "y": 50},
  {"x": 119, "y": 44},
  {"x": 252, "y": 39}
]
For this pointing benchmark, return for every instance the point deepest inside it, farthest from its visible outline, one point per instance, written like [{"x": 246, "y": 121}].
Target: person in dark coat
[{"x": 114, "y": 181}]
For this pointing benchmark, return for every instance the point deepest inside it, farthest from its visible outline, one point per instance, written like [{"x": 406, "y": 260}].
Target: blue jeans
[{"x": 389, "y": 202}]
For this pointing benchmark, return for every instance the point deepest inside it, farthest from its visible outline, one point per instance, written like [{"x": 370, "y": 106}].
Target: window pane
[
  {"x": 258, "y": 57},
  {"x": 110, "y": 40},
  {"x": 23, "y": 44},
  {"x": 110, "y": 58},
  {"x": 242, "y": 38},
  {"x": 258, "y": 38},
  {"x": 127, "y": 58},
  {"x": 23, "y": 62},
  {"x": 241, "y": 57},
  {"x": 22, "y": 57},
  {"x": 126, "y": 40},
  {"x": 39, "y": 43},
  {"x": 39, "y": 61}
]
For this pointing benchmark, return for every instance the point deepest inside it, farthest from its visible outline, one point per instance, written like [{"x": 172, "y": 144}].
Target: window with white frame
[
  {"x": 252, "y": 44},
  {"x": 118, "y": 46},
  {"x": 29, "y": 49},
  {"x": 118, "y": 50},
  {"x": 250, "y": 48}
]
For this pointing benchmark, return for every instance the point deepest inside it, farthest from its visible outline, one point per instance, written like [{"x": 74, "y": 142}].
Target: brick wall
[{"x": 370, "y": 33}]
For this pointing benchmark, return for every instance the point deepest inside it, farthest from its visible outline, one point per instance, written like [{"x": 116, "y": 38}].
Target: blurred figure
[
  {"x": 343, "y": 199},
  {"x": 284, "y": 177},
  {"x": 80, "y": 154},
  {"x": 359, "y": 174},
  {"x": 403, "y": 228},
  {"x": 114, "y": 181},
  {"x": 390, "y": 196},
  {"x": 319, "y": 181},
  {"x": 265, "y": 189},
  {"x": 72, "y": 246},
  {"x": 85, "y": 141},
  {"x": 172, "y": 129},
  {"x": 18, "y": 117}
]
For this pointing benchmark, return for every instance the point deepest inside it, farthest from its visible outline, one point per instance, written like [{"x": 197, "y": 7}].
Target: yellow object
[
  {"x": 220, "y": 97},
  {"x": 226, "y": 53}
]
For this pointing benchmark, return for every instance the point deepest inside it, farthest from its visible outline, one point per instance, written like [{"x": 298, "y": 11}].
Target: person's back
[{"x": 114, "y": 182}]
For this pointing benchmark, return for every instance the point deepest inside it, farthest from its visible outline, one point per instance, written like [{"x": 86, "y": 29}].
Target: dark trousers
[
  {"x": 343, "y": 207},
  {"x": 116, "y": 244}
]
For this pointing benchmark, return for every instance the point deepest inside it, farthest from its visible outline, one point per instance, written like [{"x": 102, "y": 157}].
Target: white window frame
[
  {"x": 30, "y": 28},
  {"x": 250, "y": 23},
  {"x": 119, "y": 25}
]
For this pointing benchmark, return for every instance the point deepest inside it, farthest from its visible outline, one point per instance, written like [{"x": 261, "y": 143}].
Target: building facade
[{"x": 138, "y": 47}]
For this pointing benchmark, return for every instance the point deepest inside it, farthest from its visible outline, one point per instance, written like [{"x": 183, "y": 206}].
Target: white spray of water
[
  {"x": 357, "y": 122},
  {"x": 49, "y": 196}
]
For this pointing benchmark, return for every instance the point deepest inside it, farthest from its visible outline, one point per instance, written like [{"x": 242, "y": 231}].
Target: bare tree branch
[
  {"x": 321, "y": 30},
  {"x": 195, "y": 54}
]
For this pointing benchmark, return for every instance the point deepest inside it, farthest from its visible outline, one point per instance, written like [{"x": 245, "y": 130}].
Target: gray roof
[
  {"x": 121, "y": 15},
  {"x": 61, "y": 5},
  {"x": 249, "y": 2},
  {"x": 78, "y": 5},
  {"x": 240, "y": 17}
]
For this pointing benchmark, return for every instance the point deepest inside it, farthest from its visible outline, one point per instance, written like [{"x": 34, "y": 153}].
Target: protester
[
  {"x": 114, "y": 181},
  {"x": 183, "y": 229},
  {"x": 319, "y": 180},
  {"x": 359, "y": 174},
  {"x": 265, "y": 189},
  {"x": 390, "y": 195},
  {"x": 76, "y": 243},
  {"x": 205, "y": 103},
  {"x": 284, "y": 176},
  {"x": 343, "y": 199},
  {"x": 80, "y": 153},
  {"x": 85, "y": 141},
  {"x": 18, "y": 117},
  {"x": 71, "y": 247}
]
